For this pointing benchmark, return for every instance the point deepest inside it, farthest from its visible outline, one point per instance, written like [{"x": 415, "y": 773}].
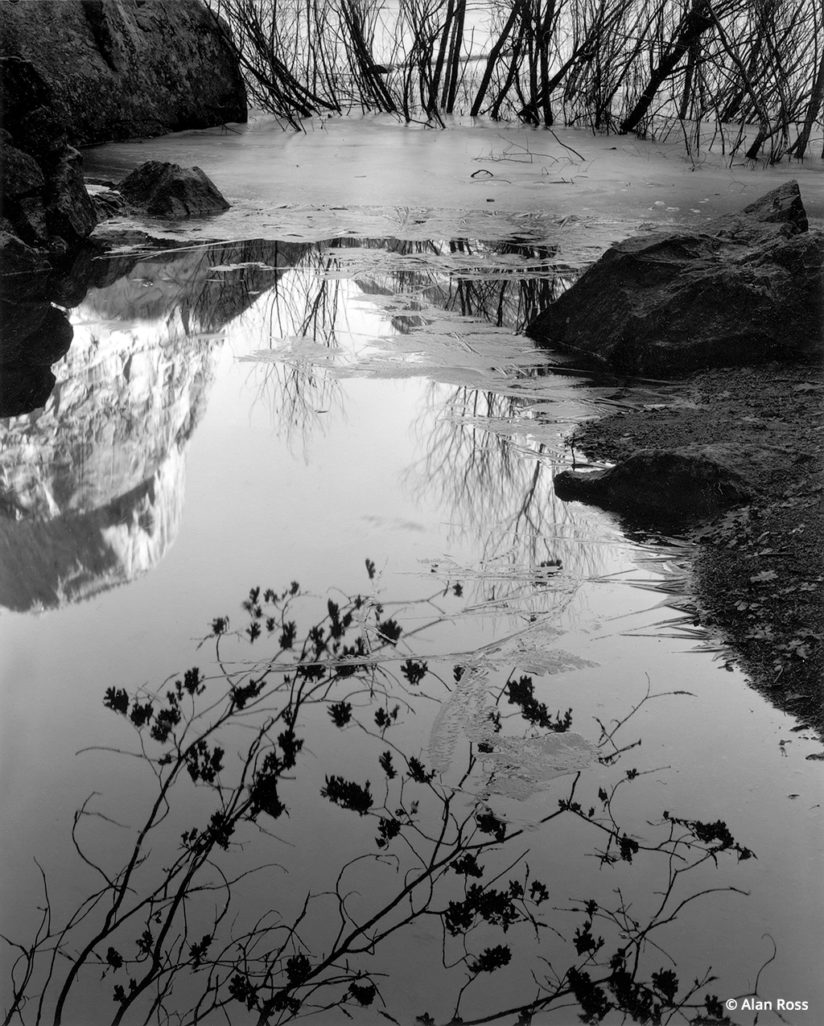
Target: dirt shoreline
[{"x": 758, "y": 574}]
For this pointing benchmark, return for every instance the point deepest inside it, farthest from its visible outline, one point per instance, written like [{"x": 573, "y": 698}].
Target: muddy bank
[{"x": 758, "y": 572}]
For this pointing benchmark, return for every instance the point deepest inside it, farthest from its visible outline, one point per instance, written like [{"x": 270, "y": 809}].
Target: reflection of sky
[{"x": 328, "y": 450}]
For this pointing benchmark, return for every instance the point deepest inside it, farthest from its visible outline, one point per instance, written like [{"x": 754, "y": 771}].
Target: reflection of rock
[
  {"x": 205, "y": 287},
  {"x": 47, "y": 563},
  {"x": 122, "y": 403},
  {"x": 24, "y": 387},
  {"x": 169, "y": 190},
  {"x": 35, "y": 335},
  {"x": 745, "y": 289},
  {"x": 15, "y": 256},
  {"x": 659, "y": 484},
  {"x": 91, "y": 487}
]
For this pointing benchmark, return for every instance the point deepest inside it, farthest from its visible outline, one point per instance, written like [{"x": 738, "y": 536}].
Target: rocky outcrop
[
  {"x": 745, "y": 289},
  {"x": 664, "y": 486},
  {"x": 44, "y": 197},
  {"x": 171, "y": 191},
  {"x": 126, "y": 68},
  {"x": 81, "y": 71}
]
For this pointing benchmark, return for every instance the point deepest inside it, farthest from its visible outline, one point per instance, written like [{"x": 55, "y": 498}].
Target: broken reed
[{"x": 613, "y": 65}]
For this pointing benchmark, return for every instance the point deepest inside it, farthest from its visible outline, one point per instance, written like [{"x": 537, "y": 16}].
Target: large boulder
[
  {"x": 124, "y": 68},
  {"x": 171, "y": 191},
  {"x": 744, "y": 289}
]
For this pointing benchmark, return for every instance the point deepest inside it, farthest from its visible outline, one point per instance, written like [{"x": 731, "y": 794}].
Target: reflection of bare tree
[
  {"x": 200, "y": 926},
  {"x": 498, "y": 483},
  {"x": 203, "y": 287},
  {"x": 304, "y": 305},
  {"x": 297, "y": 395},
  {"x": 504, "y": 283},
  {"x": 499, "y": 486}
]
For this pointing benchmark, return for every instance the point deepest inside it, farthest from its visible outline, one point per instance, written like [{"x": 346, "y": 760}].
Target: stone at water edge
[
  {"x": 171, "y": 191},
  {"x": 741, "y": 290},
  {"x": 694, "y": 481}
]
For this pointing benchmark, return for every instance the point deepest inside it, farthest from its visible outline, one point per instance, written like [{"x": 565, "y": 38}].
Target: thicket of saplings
[
  {"x": 193, "y": 908},
  {"x": 644, "y": 66}
]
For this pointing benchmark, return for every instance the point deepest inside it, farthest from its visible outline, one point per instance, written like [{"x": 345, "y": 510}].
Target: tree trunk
[
  {"x": 432, "y": 105},
  {"x": 816, "y": 100},
  {"x": 451, "y": 87},
  {"x": 691, "y": 29},
  {"x": 492, "y": 60}
]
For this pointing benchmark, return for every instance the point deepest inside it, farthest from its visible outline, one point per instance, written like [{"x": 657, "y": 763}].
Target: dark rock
[
  {"x": 43, "y": 195},
  {"x": 49, "y": 342},
  {"x": 746, "y": 289},
  {"x": 74, "y": 276},
  {"x": 19, "y": 320},
  {"x": 171, "y": 191},
  {"x": 33, "y": 114},
  {"x": 33, "y": 332},
  {"x": 71, "y": 214},
  {"x": 23, "y": 189},
  {"x": 16, "y": 258},
  {"x": 663, "y": 485},
  {"x": 122, "y": 69},
  {"x": 781, "y": 206},
  {"x": 21, "y": 174},
  {"x": 23, "y": 388},
  {"x": 23, "y": 90},
  {"x": 34, "y": 336},
  {"x": 107, "y": 204}
]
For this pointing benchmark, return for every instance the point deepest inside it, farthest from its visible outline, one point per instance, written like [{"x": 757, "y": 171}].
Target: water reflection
[
  {"x": 473, "y": 417},
  {"x": 229, "y": 898},
  {"x": 505, "y": 284},
  {"x": 497, "y": 483},
  {"x": 35, "y": 334},
  {"x": 133, "y": 386}
]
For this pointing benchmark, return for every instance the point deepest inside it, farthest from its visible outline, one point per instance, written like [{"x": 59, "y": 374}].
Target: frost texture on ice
[
  {"x": 518, "y": 767},
  {"x": 514, "y": 767},
  {"x": 532, "y": 651},
  {"x": 465, "y": 714}
]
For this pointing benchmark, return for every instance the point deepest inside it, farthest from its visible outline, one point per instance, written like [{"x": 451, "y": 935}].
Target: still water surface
[{"x": 256, "y": 413}]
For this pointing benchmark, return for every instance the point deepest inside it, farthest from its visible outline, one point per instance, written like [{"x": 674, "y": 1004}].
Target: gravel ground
[{"x": 758, "y": 576}]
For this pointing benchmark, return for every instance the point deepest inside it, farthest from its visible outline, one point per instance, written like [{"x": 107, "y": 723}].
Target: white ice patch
[
  {"x": 239, "y": 266},
  {"x": 518, "y": 767},
  {"x": 515, "y": 767}
]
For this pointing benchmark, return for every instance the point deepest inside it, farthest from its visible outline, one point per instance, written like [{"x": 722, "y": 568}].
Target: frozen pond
[{"x": 352, "y": 386}]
